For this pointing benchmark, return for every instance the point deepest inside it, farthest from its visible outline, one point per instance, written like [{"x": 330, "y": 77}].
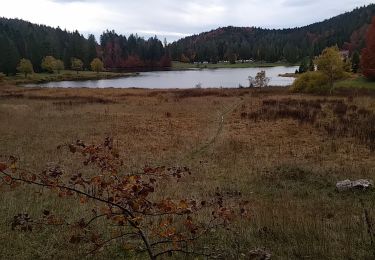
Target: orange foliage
[{"x": 126, "y": 199}]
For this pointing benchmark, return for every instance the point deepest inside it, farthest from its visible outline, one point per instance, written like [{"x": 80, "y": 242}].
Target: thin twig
[{"x": 110, "y": 240}]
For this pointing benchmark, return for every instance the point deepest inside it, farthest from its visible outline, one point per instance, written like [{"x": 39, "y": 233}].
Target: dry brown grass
[{"x": 286, "y": 169}]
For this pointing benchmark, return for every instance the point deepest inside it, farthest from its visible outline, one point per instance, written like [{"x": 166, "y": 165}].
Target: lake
[{"x": 206, "y": 78}]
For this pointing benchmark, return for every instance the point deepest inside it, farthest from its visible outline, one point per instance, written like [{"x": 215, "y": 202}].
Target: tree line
[
  {"x": 23, "y": 40},
  {"x": 132, "y": 52},
  {"x": 249, "y": 43}
]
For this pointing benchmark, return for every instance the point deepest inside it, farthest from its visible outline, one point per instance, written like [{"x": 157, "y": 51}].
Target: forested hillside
[
  {"x": 347, "y": 31},
  {"x": 21, "y": 39}
]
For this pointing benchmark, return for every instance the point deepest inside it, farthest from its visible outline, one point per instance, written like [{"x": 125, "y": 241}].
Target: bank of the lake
[
  {"x": 66, "y": 75},
  {"x": 176, "y": 65}
]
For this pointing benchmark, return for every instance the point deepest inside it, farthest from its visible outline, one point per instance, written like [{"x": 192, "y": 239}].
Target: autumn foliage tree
[
  {"x": 368, "y": 54},
  {"x": 97, "y": 65},
  {"x": 59, "y": 66},
  {"x": 76, "y": 64},
  {"x": 49, "y": 64},
  {"x": 331, "y": 64},
  {"x": 153, "y": 224},
  {"x": 25, "y": 66}
]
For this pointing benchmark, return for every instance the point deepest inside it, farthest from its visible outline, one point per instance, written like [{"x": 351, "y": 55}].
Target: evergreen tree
[
  {"x": 311, "y": 65},
  {"x": 303, "y": 67},
  {"x": 347, "y": 65},
  {"x": 355, "y": 62},
  {"x": 91, "y": 48},
  {"x": 9, "y": 56}
]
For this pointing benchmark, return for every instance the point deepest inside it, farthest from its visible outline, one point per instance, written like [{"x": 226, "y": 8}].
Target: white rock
[
  {"x": 361, "y": 184},
  {"x": 344, "y": 185}
]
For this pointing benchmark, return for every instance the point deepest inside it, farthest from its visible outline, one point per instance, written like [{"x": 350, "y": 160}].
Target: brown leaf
[
  {"x": 83, "y": 200},
  {"x": 3, "y": 166}
]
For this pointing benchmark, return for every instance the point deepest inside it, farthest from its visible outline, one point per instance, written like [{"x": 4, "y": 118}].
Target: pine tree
[
  {"x": 355, "y": 62},
  {"x": 311, "y": 65},
  {"x": 91, "y": 48},
  {"x": 9, "y": 56},
  {"x": 303, "y": 67}
]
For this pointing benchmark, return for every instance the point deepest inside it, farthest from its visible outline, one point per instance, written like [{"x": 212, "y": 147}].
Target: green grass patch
[
  {"x": 66, "y": 75},
  {"x": 359, "y": 83}
]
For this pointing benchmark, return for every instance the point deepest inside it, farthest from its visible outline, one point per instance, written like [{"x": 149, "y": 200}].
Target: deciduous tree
[
  {"x": 49, "y": 64},
  {"x": 76, "y": 64},
  {"x": 184, "y": 59},
  {"x": 331, "y": 64},
  {"x": 25, "y": 66},
  {"x": 97, "y": 65},
  {"x": 59, "y": 66}
]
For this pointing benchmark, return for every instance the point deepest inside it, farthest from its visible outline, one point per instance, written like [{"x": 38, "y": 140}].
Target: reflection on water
[{"x": 206, "y": 78}]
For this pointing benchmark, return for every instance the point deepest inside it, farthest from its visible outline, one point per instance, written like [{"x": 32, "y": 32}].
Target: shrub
[
  {"x": 313, "y": 81},
  {"x": 2, "y": 76},
  {"x": 260, "y": 80}
]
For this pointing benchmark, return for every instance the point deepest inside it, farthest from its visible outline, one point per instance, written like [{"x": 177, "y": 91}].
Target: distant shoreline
[
  {"x": 184, "y": 66},
  {"x": 67, "y": 75}
]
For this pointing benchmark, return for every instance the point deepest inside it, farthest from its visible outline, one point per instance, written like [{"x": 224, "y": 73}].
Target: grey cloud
[{"x": 176, "y": 18}]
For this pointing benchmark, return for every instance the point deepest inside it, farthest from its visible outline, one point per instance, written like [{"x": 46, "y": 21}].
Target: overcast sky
[{"x": 173, "y": 19}]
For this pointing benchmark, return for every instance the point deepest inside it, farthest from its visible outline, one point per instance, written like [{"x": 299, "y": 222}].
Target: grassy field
[
  {"x": 180, "y": 65},
  {"x": 65, "y": 75},
  {"x": 247, "y": 142},
  {"x": 357, "y": 82}
]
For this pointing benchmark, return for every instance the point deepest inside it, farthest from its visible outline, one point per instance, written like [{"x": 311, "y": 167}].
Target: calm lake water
[{"x": 206, "y": 78}]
